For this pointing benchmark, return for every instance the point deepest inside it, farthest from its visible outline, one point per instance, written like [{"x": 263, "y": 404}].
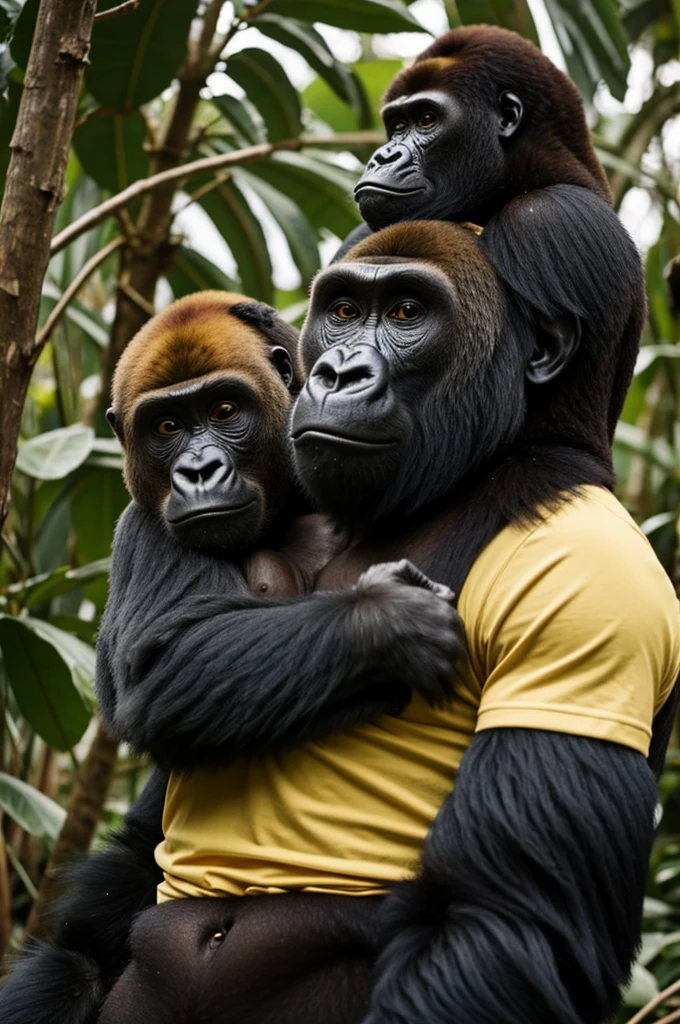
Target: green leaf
[
  {"x": 78, "y": 656},
  {"x": 9, "y": 13},
  {"x": 306, "y": 41},
  {"x": 512, "y": 14},
  {"x": 322, "y": 191},
  {"x": 99, "y": 498},
  {"x": 191, "y": 272},
  {"x": 292, "y": 221},
  {"x": 592, "y": 39},
  {"x": 49, "y": 697},
  {"x": 36, "y": 813},
  {"x": 241, "y": 230},
  {"x": 22, "y": 35},
  {"x": 41, "y": 589},
  {"x": 648, "y": 354},
  {"x": 642, "y": 987},
  {"x": 268, "y": 88},
  {"x": 656, "y": 450},
  {"x": 54, "y": 455},
  {"x": 360, "y": 15},
  {"x": 372, "y": 78},
  {"x": 238, "y": 115},
  {"x": 111, "y": 148},
  {"x": 133, "y": 59}
]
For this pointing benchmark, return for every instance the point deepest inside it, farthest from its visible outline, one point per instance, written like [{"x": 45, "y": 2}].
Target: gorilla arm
[
  {"x": 528, "y": 905},
  {"x": 194, "y": 669}
]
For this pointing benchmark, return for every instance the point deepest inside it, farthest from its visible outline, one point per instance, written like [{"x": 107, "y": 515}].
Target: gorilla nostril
[{"x": 328, "y": 380}]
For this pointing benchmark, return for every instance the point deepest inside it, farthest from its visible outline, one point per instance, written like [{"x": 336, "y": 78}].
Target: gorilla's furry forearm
[
  {"x": 194, "y": 669},
  {"x": 66, "y": 981},
  {"x": 529, "y": 901}
]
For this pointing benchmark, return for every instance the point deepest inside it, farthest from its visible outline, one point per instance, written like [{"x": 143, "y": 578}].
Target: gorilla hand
[{"x": 412, "y": 625}]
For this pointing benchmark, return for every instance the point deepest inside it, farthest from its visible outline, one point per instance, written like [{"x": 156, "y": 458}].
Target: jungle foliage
[{"x": 171, "y": 82}]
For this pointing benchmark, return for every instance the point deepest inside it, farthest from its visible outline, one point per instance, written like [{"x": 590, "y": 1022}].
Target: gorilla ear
[
  {"x": 114, "y": 423},
  {"x": 557, "y": 339},
  {"x": 283, "y": 364},
  {"x": 511, "y": 111}
]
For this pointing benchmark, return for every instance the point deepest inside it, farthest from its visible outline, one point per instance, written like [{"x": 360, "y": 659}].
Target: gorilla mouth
[
  {"x": 377, "y": 187},
  {"x": 211, "y": 512},
  {"x": 359, "y": 444}
]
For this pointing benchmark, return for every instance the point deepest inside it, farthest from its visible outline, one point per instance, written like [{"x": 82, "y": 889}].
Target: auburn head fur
[{"x": 478, "y": 62}]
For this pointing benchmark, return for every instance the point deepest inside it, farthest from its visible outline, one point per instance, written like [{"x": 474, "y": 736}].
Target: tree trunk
[
  {"x": 34, "y": 189},
  {"x": 87, "y": 801}
]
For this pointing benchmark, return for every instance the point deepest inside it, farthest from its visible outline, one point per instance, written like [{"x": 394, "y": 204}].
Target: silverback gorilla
[{"x": 459, "y": 409}]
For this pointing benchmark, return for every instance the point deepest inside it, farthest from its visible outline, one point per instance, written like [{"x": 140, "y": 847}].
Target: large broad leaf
[
  {"x": 322, "y": 191},
  {"x": 50, "y": 698},
  {"x": 512, "y": 14},
  {"x": 98, "y": 499},
  {"x": 135, "y": 57},
  {"x": 292, "y": 221},
  {"x": 241, "y": 230},
  {"x": 359, "y": 15},
  {"x": 35, "y": 812},
  {"x": 54, "y": 455},
  {"x": 191, "y": 272},
  {"x": 111, "y": 148},
  {"x": 239, "y": 117},
  {"x": 643, "y": 987},
  {"x": 313, "y": 47},
  {"x": 592, "y": 39},
  {"x": 41, "y": 589},
  {"x": 372, "y": 78},
  {"x": 268, "y": 88}
]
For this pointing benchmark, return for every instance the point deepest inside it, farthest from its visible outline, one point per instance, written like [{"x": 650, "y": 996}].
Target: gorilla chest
[{"x": 417, "y": 543}]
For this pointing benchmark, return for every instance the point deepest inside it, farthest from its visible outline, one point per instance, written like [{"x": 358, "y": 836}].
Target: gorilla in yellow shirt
[{"x": 510, "y": 827}]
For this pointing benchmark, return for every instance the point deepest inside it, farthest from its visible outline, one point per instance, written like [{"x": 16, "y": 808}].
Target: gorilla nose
[
  {"x": 389, "y": 154},
  {"x": 350, "y": 371},
  {"x": 200, "y": 472}
]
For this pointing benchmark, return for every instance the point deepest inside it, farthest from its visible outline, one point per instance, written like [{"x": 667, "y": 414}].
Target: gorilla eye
[
  {"x": 427, "y": 120},
  {"x": 224, "y": 412},
  {"x": 345, "y": 310},
  {"x": 405, "y": 311},
  {"x": 167, "y": 426}
]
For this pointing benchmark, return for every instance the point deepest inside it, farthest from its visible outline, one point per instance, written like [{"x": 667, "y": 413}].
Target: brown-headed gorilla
[
  {"x": 201, "y": 399},
  {"x": 456, "y": 412},
  {"x": 480, "y": 117}
]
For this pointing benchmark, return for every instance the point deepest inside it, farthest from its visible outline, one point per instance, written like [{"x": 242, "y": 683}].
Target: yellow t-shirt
[{"x": 572, "y": 626}]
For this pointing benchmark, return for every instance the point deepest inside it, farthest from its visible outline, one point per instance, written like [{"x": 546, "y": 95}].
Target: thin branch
[
  {"x": 209, "y": 186},
  {"x": 675, "y": 1015},
  {"x": 117, "y": 12},
  {"x": 346, "y": 140},
  {"x": 78, "y": 281},
  {"x": 146, "y": 307},
  {"x": 653, "y": 1003}
]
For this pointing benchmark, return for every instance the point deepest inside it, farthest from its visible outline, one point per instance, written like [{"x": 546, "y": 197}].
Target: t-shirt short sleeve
[{"x": 574, "y": 626}]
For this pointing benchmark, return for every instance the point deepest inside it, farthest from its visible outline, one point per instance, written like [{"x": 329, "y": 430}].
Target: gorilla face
[
  {"x": 203, "y": 445},
  {"x": 442, "y": 159},
  {"x": 399, "y": 402}
]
